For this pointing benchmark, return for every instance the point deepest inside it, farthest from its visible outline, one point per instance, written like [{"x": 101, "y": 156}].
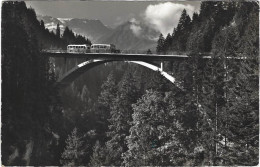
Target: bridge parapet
[
  {"x": 54, "y": 51},
  {"x": 121, "y": 51},
  {"x": 135, "y": 55}
]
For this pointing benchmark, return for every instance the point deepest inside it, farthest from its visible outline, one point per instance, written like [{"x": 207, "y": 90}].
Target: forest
[{"x": 121, "y": 114}]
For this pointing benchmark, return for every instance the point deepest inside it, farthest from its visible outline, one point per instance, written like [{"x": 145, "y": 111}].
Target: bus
[
  {"x": 78, "y": 48},
  {"x": 103, "y": 48}
]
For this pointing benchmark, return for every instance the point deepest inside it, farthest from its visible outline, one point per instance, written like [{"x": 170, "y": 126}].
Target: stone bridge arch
[{"x": 75, "y": 72}]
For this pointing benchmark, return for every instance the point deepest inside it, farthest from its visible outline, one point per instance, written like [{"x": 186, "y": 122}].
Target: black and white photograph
[{"x": 129, "y": 83}]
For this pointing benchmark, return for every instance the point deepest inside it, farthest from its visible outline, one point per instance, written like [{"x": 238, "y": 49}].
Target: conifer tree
[
  {"x": 121, "y": 117},
  {"x": 195, "y": 18},
  {"x": 184, "y": 21},
  {"x": 26, "y": 104},
  {"x": 107, "y": 96},
  {"x": 100, "y": 156},
  {"x": 160, "y": 45},
  {"x": 58, "y": 31},
  {"x": 230, "y": 94},
  {"x": 153, "y": 138},
  {"x": 74, "y": 152},
  {"x": 168, "y": 42},
  {"x": 149, "y": 51},
  {"x": 42, "y": 25},
  {"x": 242, "y": 100},
  {"x": 181, "y": 33}
]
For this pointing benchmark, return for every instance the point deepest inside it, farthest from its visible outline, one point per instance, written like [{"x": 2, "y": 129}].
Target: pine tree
[
  {"x": 68, "y": 35},
  {"x": 149, "y": 51},
  {"x": 168, "y": 42},
  {"x": 243, "y": 99},
  {"x": 74, "y": 152},
  {"x": 160, "y": 45},
  {"x": 184, "y": 21},
  {"x": 26, "y": 104},
  {"x": 100, "y": 155},
  {"x": 42, "y": 25},
  {"x": 58, "y": 31},
  {"x": 153, "y": 138},
  {"x": 195, "y": 18},
  {"x": 107, "y": 96},
  {"x": 120, "y": 117},
  {"x": 207, "y": 9},
  {"x": 231, "y": 83},
  {"x": 181, "y": 32},
  {"x": 108, "y": 92}
]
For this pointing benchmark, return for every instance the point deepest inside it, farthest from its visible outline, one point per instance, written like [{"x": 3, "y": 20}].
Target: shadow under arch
[{"x": 75, "y": 72}]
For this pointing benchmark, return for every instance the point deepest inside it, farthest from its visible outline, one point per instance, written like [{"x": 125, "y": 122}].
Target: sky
[{"x": 161, "y": 16}]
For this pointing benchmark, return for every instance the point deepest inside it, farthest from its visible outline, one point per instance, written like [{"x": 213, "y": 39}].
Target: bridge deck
[
  {"x": 128, "y": 56},
  {"x": 115, "y": 56}
]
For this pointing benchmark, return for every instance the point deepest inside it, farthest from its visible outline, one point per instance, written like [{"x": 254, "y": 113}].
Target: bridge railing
[
  {"x": 152, "y": 52},
  {"x": 121, "y": 52},
  {"x": 54, "y": 50}
]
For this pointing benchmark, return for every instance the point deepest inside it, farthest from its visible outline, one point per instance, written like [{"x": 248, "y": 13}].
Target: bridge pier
[
  {"x": 65, "y": 62},
  {"x": 161, "y": 66}
]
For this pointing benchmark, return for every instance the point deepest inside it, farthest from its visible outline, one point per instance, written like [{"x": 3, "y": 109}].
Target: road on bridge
[
  {"x": 129, "y": 56},
  {"x": 116, "y": 56}
]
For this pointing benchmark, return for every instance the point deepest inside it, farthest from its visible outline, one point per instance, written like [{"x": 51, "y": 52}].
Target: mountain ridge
[{"x": 135, "y": 35}]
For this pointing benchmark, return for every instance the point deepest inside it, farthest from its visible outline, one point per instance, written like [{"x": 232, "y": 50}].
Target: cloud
[
  {"x": 136, "y": 29},
  {"x": 135, "y": 26},
  {"x": 165, "y": 16},
  {"x": 121, "y": 19},
  {"x": 133, "y": 20}
]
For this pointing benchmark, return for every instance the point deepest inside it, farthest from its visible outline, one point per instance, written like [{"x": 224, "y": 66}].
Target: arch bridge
[{"x": 95, "y": 59}]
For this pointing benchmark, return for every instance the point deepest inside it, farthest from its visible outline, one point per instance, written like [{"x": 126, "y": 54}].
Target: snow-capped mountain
[
  {"x": 92, "y": 29},
  {"x": 129, "y": 35}
]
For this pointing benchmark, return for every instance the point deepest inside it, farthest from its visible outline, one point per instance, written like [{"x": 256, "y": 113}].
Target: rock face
[{"x": 131, "y": 35}]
